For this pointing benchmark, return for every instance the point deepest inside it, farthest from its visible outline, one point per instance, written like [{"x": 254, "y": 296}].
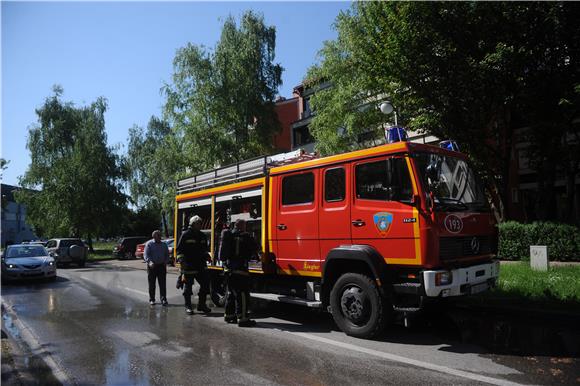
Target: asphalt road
[{"x": 94, "y": 326}]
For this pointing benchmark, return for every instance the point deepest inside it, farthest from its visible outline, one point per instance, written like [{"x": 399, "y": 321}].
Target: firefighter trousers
[{"x": 238, "y": 296}]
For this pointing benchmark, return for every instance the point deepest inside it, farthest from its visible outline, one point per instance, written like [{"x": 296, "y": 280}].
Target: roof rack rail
[{"x": 240, "y": 171}]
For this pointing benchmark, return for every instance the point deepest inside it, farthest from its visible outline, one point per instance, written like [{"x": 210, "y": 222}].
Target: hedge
[{"x": 563, "y": 240}]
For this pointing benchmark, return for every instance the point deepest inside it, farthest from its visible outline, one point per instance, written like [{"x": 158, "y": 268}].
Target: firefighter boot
[{"x": 201, "y": 306}]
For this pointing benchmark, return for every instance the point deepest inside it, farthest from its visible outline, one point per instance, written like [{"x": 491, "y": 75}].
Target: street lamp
[{"x": 387, "y": 108}]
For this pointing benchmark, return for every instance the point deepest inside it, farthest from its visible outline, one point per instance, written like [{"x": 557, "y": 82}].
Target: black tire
[
  {"x": 357, "y": 306},
  {"x": 217, "y": 290},
  {"x": 82, "y": 263}
]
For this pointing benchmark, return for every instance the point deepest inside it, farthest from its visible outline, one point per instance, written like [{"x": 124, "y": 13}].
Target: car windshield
[
  {"x": 25, "y": 251},
  {"x": 454, "y": 184}
]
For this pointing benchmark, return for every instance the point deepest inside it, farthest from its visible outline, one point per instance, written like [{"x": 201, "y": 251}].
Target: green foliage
[
  {"x": 221, "y": 102},
  {"x": 77, "y": 177},
  {"x": 563, "y": 240},
  {"x": 462, "y": 70},
  {"x": 153, "y": 163}
]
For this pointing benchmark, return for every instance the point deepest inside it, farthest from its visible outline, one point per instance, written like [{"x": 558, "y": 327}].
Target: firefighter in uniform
[
  {"x": 192, "y": 253},
  {"x": 236, "y": 249}
]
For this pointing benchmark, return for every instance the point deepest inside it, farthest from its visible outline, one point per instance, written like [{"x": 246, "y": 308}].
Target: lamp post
[{"x": 387, "y": 108}]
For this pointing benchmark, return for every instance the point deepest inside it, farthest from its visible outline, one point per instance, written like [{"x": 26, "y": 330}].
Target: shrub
[{"x": 563, "y": 240}]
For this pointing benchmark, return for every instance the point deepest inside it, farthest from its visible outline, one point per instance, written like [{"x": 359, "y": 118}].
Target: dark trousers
[
  {"x": 157, "y": 273},
  {"x": 203, "y": 281},
  {"x": 238, "y": 295}
]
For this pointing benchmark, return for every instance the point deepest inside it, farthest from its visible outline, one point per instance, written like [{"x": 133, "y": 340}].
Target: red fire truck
[{"x": 364, "y": 234}]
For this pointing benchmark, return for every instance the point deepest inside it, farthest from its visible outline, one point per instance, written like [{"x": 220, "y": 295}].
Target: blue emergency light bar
[
  {"x": 396, "y": 134},
  {"x": 449, "y": 145}
]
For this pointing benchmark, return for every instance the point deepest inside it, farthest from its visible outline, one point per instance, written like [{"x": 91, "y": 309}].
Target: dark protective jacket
[
  {"x": 236, "y": 249},
  {"x": 192, "y": 250}
]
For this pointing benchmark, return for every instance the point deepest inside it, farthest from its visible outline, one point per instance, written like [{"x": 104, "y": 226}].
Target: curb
[{"x": 27, "y": 343}]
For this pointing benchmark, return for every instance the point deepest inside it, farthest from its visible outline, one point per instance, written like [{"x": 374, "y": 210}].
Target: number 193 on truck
[{"x": 365, "y": 235}]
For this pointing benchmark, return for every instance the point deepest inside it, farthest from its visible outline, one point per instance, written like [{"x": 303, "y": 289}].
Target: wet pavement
[{"x": 94, "y": 326}]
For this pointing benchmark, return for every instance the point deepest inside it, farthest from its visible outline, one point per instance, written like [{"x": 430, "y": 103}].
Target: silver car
[
  {"x": 66, "y": 251},
  {"x": 25, "y": 261}
]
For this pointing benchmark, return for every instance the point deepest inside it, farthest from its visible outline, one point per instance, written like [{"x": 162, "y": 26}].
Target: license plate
[
  {"x": 32, "y": 273},
  {"x": 477, "y": 288}
]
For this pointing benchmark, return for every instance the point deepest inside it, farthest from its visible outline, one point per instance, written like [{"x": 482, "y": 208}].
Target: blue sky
[{"x": 124, "y": 52}]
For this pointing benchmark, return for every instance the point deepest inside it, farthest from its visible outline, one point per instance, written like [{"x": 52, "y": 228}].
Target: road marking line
[
  {"x": 409, "y": 361},
  {"x": 134, "y": 290},
  {"x": 29, "y": 339},
  {"x": 123, "y": 288}
]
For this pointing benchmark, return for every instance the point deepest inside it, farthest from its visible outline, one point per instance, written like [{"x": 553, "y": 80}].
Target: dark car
[{"x": 127, "y": 246}]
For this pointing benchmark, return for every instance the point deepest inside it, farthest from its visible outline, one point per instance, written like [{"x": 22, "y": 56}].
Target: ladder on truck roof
[{"x": 240, "y": 171}]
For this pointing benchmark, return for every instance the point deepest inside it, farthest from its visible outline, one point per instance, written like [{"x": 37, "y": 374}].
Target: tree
[
  {"x": 467, "y": 71},
  {"x": 221, "y": 101},
  {"x": 153, "y": 163},
  {"x": 78, "y": 178}
]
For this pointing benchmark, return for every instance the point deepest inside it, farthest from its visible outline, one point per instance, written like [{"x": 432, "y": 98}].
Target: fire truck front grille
[{"x": 457, "y": 247}]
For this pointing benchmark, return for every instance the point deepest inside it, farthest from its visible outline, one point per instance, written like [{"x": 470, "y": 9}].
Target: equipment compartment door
[
  {"x": 382, "y": 215},
  {"x": 298, "y": 247}
]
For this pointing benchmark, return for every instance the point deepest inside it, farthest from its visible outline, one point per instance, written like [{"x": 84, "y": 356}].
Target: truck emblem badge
[
  {"x": 475, "y": 245},
  {"x": 383, "y": 221},
  {"x": 453, "y": 224}
]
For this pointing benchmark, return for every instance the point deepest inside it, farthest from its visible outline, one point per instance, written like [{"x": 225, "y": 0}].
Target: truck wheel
[
  {"x": 357, "y": 306},
  {"x": 217, "y": 291}
]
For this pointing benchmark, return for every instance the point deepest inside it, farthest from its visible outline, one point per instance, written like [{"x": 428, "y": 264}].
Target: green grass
[
  {"x": 103, "y": 251},
  {"x": 558, "y": 283},
  {"x": 520, "y": 287}
]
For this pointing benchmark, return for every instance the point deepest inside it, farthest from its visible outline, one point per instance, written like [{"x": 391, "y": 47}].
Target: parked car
[
  {"x": 127, "y": 246},
  {"x": 169, "y": 243},
  {"x": 26, "y": 261},
  {"x": 69, "y": 250},
  {"x": 140, "y": 251}
]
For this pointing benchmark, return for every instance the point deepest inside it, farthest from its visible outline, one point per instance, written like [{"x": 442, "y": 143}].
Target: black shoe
[
  {"x": 152, "y": 302},
  {"x": 247, "y": 323},
  {"x": 231, "y": 319},
  {"x": 203, "y": 308},
  {"x": 164, "y": 302},
  {"x": 189, "y": 311}
]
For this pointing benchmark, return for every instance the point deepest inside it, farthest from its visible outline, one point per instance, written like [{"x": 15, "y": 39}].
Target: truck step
[
  {"x": 287, "y": 299},
  {"x": 407, "y": 309}
]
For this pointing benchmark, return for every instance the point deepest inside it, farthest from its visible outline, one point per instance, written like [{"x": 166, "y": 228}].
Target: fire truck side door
[
  {"x": 296, "y": 225},
  {"x": 382, "y": 215},
  {"x": 334, "y": 214}
]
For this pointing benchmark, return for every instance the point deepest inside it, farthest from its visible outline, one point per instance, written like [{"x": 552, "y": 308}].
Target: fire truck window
[
  {"x": 298, "y": 189},
  {"x": 385, "y": 180},
  {"x": 334, "y": 185}
]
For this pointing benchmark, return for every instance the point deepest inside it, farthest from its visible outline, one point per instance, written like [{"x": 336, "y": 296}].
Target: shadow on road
[{"x": 456, "y": 330}]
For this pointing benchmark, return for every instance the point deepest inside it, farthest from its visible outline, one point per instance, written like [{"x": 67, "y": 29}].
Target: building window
[
  {"x": 306, "y": 110},
  {"x": 334, "y": 185},
  {"x": 302, "y": 136},
  {"x": 385, "y": 180},
  {"x": 298, "y": 189}
]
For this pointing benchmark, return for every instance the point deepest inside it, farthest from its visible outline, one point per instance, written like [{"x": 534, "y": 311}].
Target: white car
[{"x": 26, "y": 261}]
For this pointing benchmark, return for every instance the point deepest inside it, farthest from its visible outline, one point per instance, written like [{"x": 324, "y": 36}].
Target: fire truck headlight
[{"x": 443, "y": 278}]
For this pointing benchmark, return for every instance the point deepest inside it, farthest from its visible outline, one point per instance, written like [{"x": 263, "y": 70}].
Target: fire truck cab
[{"x": 364, "y": 234}]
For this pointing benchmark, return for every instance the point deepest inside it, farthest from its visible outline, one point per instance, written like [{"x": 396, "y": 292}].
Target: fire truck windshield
[{"x": 454, "y": 184}]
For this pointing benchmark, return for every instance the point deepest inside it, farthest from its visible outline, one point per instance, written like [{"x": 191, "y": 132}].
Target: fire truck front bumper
[{"x": 461, "y": 281}]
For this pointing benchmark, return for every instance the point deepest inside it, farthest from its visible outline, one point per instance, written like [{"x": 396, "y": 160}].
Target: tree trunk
[
  {"x": 164, "y": 221},
  {"x": 90, "y": 242}
]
